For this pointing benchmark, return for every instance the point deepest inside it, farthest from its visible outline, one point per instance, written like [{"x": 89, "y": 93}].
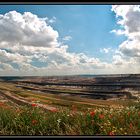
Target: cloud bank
[
  {"x": 128, "y": 51},
  {"x": 29, "y": 46}
]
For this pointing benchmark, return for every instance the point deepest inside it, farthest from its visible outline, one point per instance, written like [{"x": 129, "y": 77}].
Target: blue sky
[
  {"x": 88, "y": 25},
  {"x": 73, "y": 39}
]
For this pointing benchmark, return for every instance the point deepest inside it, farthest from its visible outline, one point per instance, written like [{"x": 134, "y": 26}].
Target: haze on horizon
[{"x": 48, "y": 40}]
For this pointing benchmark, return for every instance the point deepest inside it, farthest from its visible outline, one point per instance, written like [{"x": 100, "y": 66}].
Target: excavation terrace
[{"x": 96, "y": 87}]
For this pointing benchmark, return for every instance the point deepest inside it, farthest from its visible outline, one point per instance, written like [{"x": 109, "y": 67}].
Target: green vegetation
[
  {"x": 71, "y": 121},
  {"x": 75, "y": 116}
]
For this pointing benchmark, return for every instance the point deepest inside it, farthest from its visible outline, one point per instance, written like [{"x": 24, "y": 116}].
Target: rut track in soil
[{"x": 20, "y": 101}]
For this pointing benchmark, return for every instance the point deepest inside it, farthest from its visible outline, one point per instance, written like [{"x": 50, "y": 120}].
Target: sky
[{"x": 42, "y": 40}]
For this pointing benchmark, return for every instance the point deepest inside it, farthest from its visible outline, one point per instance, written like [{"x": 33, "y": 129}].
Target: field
[{"x": 70, "y": 105}]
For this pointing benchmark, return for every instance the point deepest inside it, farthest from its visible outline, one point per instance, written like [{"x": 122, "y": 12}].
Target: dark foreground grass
[{"x": 97, "y": 121}]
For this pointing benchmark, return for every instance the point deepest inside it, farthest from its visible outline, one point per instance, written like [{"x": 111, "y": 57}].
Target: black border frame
[{"x": 69, "y": 2}]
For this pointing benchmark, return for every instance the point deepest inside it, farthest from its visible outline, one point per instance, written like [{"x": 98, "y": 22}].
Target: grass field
[
  {"x": 73, "y": 115},
  {"x": 95, "y": 121}
]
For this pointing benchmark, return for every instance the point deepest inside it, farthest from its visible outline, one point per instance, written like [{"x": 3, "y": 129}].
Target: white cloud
[
  {"x": 118, "y": 32},
  {"x": 130, "y": 17},
  {"x": 52, "y": 20},
  {"x": 67, "y": 38},
  {"x": 26, "y": 29},
  {"x": 27, "y": 39},
  {"x": 128, "y": 53},
  {"x": 105, "y": 50}
]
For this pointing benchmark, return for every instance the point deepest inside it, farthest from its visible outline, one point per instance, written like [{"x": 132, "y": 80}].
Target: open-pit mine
[{"x": 53, "y": 92}]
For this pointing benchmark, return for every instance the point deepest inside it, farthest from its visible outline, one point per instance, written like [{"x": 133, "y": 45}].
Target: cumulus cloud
[
  {"x": 28, "y": 41},
  {"x": 26, "y": 29},
  {"x": 130, "y": 16},
  {"x": 29, "y": 46},
  {"x": 129, "y": 51}
]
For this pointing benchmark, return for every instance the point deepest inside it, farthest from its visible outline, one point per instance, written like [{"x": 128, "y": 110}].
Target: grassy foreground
[{"x": 96, "y": 121}]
